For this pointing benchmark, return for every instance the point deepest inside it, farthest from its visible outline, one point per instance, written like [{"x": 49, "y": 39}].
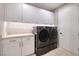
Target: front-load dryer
[
  {"x": 53, "y": 33},
  {"x": 53, "y": 38}
]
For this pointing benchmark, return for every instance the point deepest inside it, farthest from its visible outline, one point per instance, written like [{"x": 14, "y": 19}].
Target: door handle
[{"x": 61, "y": 33}]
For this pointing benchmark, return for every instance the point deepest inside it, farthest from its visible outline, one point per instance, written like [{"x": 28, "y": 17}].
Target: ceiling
[{"x": 47, "y": 6}]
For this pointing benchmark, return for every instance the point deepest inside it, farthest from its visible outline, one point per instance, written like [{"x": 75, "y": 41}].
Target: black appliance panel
[{"x": 53, "y": 35}]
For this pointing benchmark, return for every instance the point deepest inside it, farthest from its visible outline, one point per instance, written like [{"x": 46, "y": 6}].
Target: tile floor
[{"x": 58, "y": 52}]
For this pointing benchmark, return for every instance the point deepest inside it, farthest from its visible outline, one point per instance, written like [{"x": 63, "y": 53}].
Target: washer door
[{"x": 43, "y": 35}]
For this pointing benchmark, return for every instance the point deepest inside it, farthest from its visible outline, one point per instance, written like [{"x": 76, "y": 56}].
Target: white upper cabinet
[
  {"x": 19, "y": 12},
  {"x": 2, "y": 11},
  {"x": 30, "y": 14},
  {"x": 46, "y": 17},
  {"x": 36, "y": 15},
  {"x": 13, "y": 12}
]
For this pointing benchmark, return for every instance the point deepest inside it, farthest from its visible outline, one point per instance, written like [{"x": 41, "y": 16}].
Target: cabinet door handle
[
  {"x": 19, "y": 44},
  {"x": 22, "y": 44}
]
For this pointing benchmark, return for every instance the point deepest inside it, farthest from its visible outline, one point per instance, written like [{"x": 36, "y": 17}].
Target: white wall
[
  {"x": 11, "y": 28},
  {"x": 19, "y": 28}
]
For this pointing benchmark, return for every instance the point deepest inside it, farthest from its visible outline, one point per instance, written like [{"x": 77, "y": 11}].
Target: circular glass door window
[{"x": 43, "y": 35}]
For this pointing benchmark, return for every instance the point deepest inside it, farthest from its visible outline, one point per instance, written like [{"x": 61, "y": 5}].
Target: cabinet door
[
  {"x": 30, "y": 14},
  {"x": 35, "y": 15},
  {"x": 13, "y": 11},
  {"x": 28, "y": 46},
  {"x": 0, "y": 47},
  {"x": 1, "y": 11},
  {"x": 46, "y": 17},
  {"x": 78, "y": 28},
  {"x": 11, "y": 47}
]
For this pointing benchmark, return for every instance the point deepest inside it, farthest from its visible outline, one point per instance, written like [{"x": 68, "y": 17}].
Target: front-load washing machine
[
  {"x": 41, "y": 40},
  {"x": 45, "y": 39}
]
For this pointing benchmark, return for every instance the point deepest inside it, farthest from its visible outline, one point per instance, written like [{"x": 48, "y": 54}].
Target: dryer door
[{"x": 53, "y": 35}]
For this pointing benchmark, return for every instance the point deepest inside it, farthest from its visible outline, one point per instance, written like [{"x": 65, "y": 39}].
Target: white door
[
  {"x": 13, "y": 11},
  {"x": 28, "y": 46},
  {"x": 64, "y": 27},
  {"x": 11, "y": 47},
  {"x": 1, "y": 11},
  {"x": 68, "y": 27}
]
